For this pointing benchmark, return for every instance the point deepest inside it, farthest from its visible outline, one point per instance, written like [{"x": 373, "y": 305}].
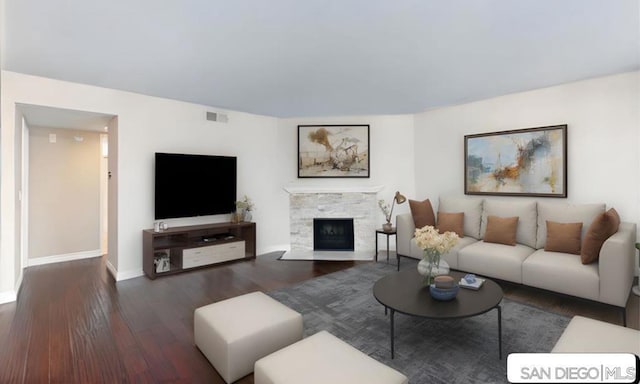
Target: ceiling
[{"x": 293, "y": 58}]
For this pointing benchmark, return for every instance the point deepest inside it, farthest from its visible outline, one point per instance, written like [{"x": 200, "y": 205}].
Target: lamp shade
[{"x": 399, "y": 198}]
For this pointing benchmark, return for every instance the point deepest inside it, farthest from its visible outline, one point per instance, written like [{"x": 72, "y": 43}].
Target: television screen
[{"x": 194, "y": 185}]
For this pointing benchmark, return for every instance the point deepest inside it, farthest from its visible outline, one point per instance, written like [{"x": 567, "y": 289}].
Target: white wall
[
  {"x": 391, "y": 158},
  {"x": 603, "y": 138},
  {"x": 64, "y": 198}
]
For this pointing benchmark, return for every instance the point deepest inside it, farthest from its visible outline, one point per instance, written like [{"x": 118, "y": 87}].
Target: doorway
[{"x": 65, "y": 197}]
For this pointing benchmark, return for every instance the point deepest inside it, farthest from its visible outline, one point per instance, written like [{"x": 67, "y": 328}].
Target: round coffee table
[{"x": 405, "y": 292}]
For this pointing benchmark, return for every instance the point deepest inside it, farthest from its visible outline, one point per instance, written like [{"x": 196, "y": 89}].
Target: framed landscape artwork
[
  {"x": 329, "y": 151},
  {"x": 523, "y": 162}
]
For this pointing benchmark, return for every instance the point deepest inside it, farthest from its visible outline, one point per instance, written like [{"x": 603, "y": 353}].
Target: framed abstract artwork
[
  {"x": 522, "y": 162},
  {"x": 330, "y": 151}
]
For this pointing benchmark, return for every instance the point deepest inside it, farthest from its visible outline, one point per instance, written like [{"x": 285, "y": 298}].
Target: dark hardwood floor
[{"x": 73, "y": 324}]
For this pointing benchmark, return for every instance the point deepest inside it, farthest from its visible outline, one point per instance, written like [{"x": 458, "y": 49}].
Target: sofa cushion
[
  {"x": 501, "y": 230},
  {"x": 451, "y": 222},
  {"x": 494, "y": 260},
  {"x": 563, "y": 237},
  {"x": 561, "y": 272},
  {"x": 472, "y": 209},
  {"x": 422, "y": 213},
  {"x": 527, "y": 218},
  {"x": 565, "y": 213},
  {"x": 602, "y": 227}
]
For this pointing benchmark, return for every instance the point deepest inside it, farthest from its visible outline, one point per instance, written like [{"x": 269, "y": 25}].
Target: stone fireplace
[{"x": 358, "y": 203}]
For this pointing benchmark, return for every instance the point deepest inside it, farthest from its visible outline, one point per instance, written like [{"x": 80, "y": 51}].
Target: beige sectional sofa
[{"x": 607, "y": 280}]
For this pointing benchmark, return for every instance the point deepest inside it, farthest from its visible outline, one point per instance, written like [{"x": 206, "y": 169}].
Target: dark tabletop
[{"x": 406, "y": 292}]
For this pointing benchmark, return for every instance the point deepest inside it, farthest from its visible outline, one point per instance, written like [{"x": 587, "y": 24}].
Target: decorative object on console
[
  {"x": 397, "y": 198},
  {"x": 244, "y": 208},
  {"x": 161, "y": 260},
  {"x": 331, "y": 151},
  {"x": 433, "y": 245},
  {"x": 522, "y": 162}
]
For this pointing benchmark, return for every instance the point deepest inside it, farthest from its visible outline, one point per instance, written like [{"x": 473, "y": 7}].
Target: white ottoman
[
  {"x": 589, "y": 335},
  {"x": 321, "y": 359},
  {"x": 236, "y": 332}
]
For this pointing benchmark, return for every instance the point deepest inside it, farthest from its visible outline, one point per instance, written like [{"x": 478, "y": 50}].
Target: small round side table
[{"x": 636, "y": 288}]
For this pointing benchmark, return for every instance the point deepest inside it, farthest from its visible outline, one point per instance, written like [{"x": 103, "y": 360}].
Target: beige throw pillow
[
  {"x": 422, "y": 213},
  {"x": 501, "y": 230},
  {"x": 602, "y": 227},
  {"x": 563, "y": 237},
  {"x": 451, "y": 222}
]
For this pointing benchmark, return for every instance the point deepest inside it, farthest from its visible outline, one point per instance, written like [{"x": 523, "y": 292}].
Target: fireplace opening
[{"x": 333, "y": 234}]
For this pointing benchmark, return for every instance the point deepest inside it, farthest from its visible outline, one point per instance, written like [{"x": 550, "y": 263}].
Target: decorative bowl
[{"x": 443, "y": 294}]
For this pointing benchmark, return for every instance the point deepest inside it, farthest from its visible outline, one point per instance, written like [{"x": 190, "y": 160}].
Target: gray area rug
[{"x": 427, "y": 351}]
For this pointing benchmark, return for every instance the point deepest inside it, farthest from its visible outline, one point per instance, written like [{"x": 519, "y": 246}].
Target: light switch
[{"x": 52, "y": 137}]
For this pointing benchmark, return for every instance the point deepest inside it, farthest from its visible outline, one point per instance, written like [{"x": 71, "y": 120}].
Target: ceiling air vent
[{"x": 216, "y": 116}]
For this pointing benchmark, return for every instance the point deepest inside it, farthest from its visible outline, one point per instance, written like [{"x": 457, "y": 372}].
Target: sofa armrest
[
  {"x": 616, "y": 265},
  {"x": 405, "y": 228}
]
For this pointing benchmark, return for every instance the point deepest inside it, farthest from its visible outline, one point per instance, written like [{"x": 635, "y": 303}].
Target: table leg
[
  {"x": 376, "y": 247},
  {"x": 393, "y": 312},
  {"x": 499, "y": 332},
  {"x": 387, "y": 249},
  {"x": 398, "y": 257}
]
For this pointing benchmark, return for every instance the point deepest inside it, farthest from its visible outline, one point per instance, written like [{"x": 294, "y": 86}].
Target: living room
[
  {"x": 407, "y": 152},
  {"x": 419, "y": 152}
]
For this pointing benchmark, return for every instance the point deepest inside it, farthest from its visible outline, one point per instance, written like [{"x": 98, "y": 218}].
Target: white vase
[{"x": 247, "y": 215}]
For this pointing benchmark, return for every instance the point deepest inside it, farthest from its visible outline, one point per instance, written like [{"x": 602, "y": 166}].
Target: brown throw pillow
[
  {"x": 501, "y": 230},
  {"x": 451, "y": 222},
  {"x": 603, "y": 226},
  {"x": 422, "y": 213},
  {"x": 563, "y": 237}
]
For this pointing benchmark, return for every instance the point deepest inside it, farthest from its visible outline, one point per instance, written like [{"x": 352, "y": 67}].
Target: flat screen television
[{"x": 194, "y": 185}]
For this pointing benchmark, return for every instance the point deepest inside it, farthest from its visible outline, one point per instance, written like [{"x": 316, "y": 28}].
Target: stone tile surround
[{"x": 360, "y": 203}]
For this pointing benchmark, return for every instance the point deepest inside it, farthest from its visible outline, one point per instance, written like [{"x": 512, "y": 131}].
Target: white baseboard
[
  {"x": 119, "y": 276},
  {"x": 11, "y": 296},
  {"x": 125, "y": 275},
  {"x": 8, "y": 297},
  {"x": 64, "y": 257},
  {"x": 112, "y": 270}
]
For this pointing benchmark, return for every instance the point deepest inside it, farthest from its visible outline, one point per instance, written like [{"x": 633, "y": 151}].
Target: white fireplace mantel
[{"x": 295, "y": 189}]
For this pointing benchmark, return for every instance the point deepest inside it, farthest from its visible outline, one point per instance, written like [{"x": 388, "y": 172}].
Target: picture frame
[
  {"x": 528, "y": 162},
  {"x": 333, "y": 151}
]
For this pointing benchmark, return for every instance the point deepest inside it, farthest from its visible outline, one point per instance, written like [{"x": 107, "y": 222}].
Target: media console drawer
[{"x": 211, "y": 254}]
